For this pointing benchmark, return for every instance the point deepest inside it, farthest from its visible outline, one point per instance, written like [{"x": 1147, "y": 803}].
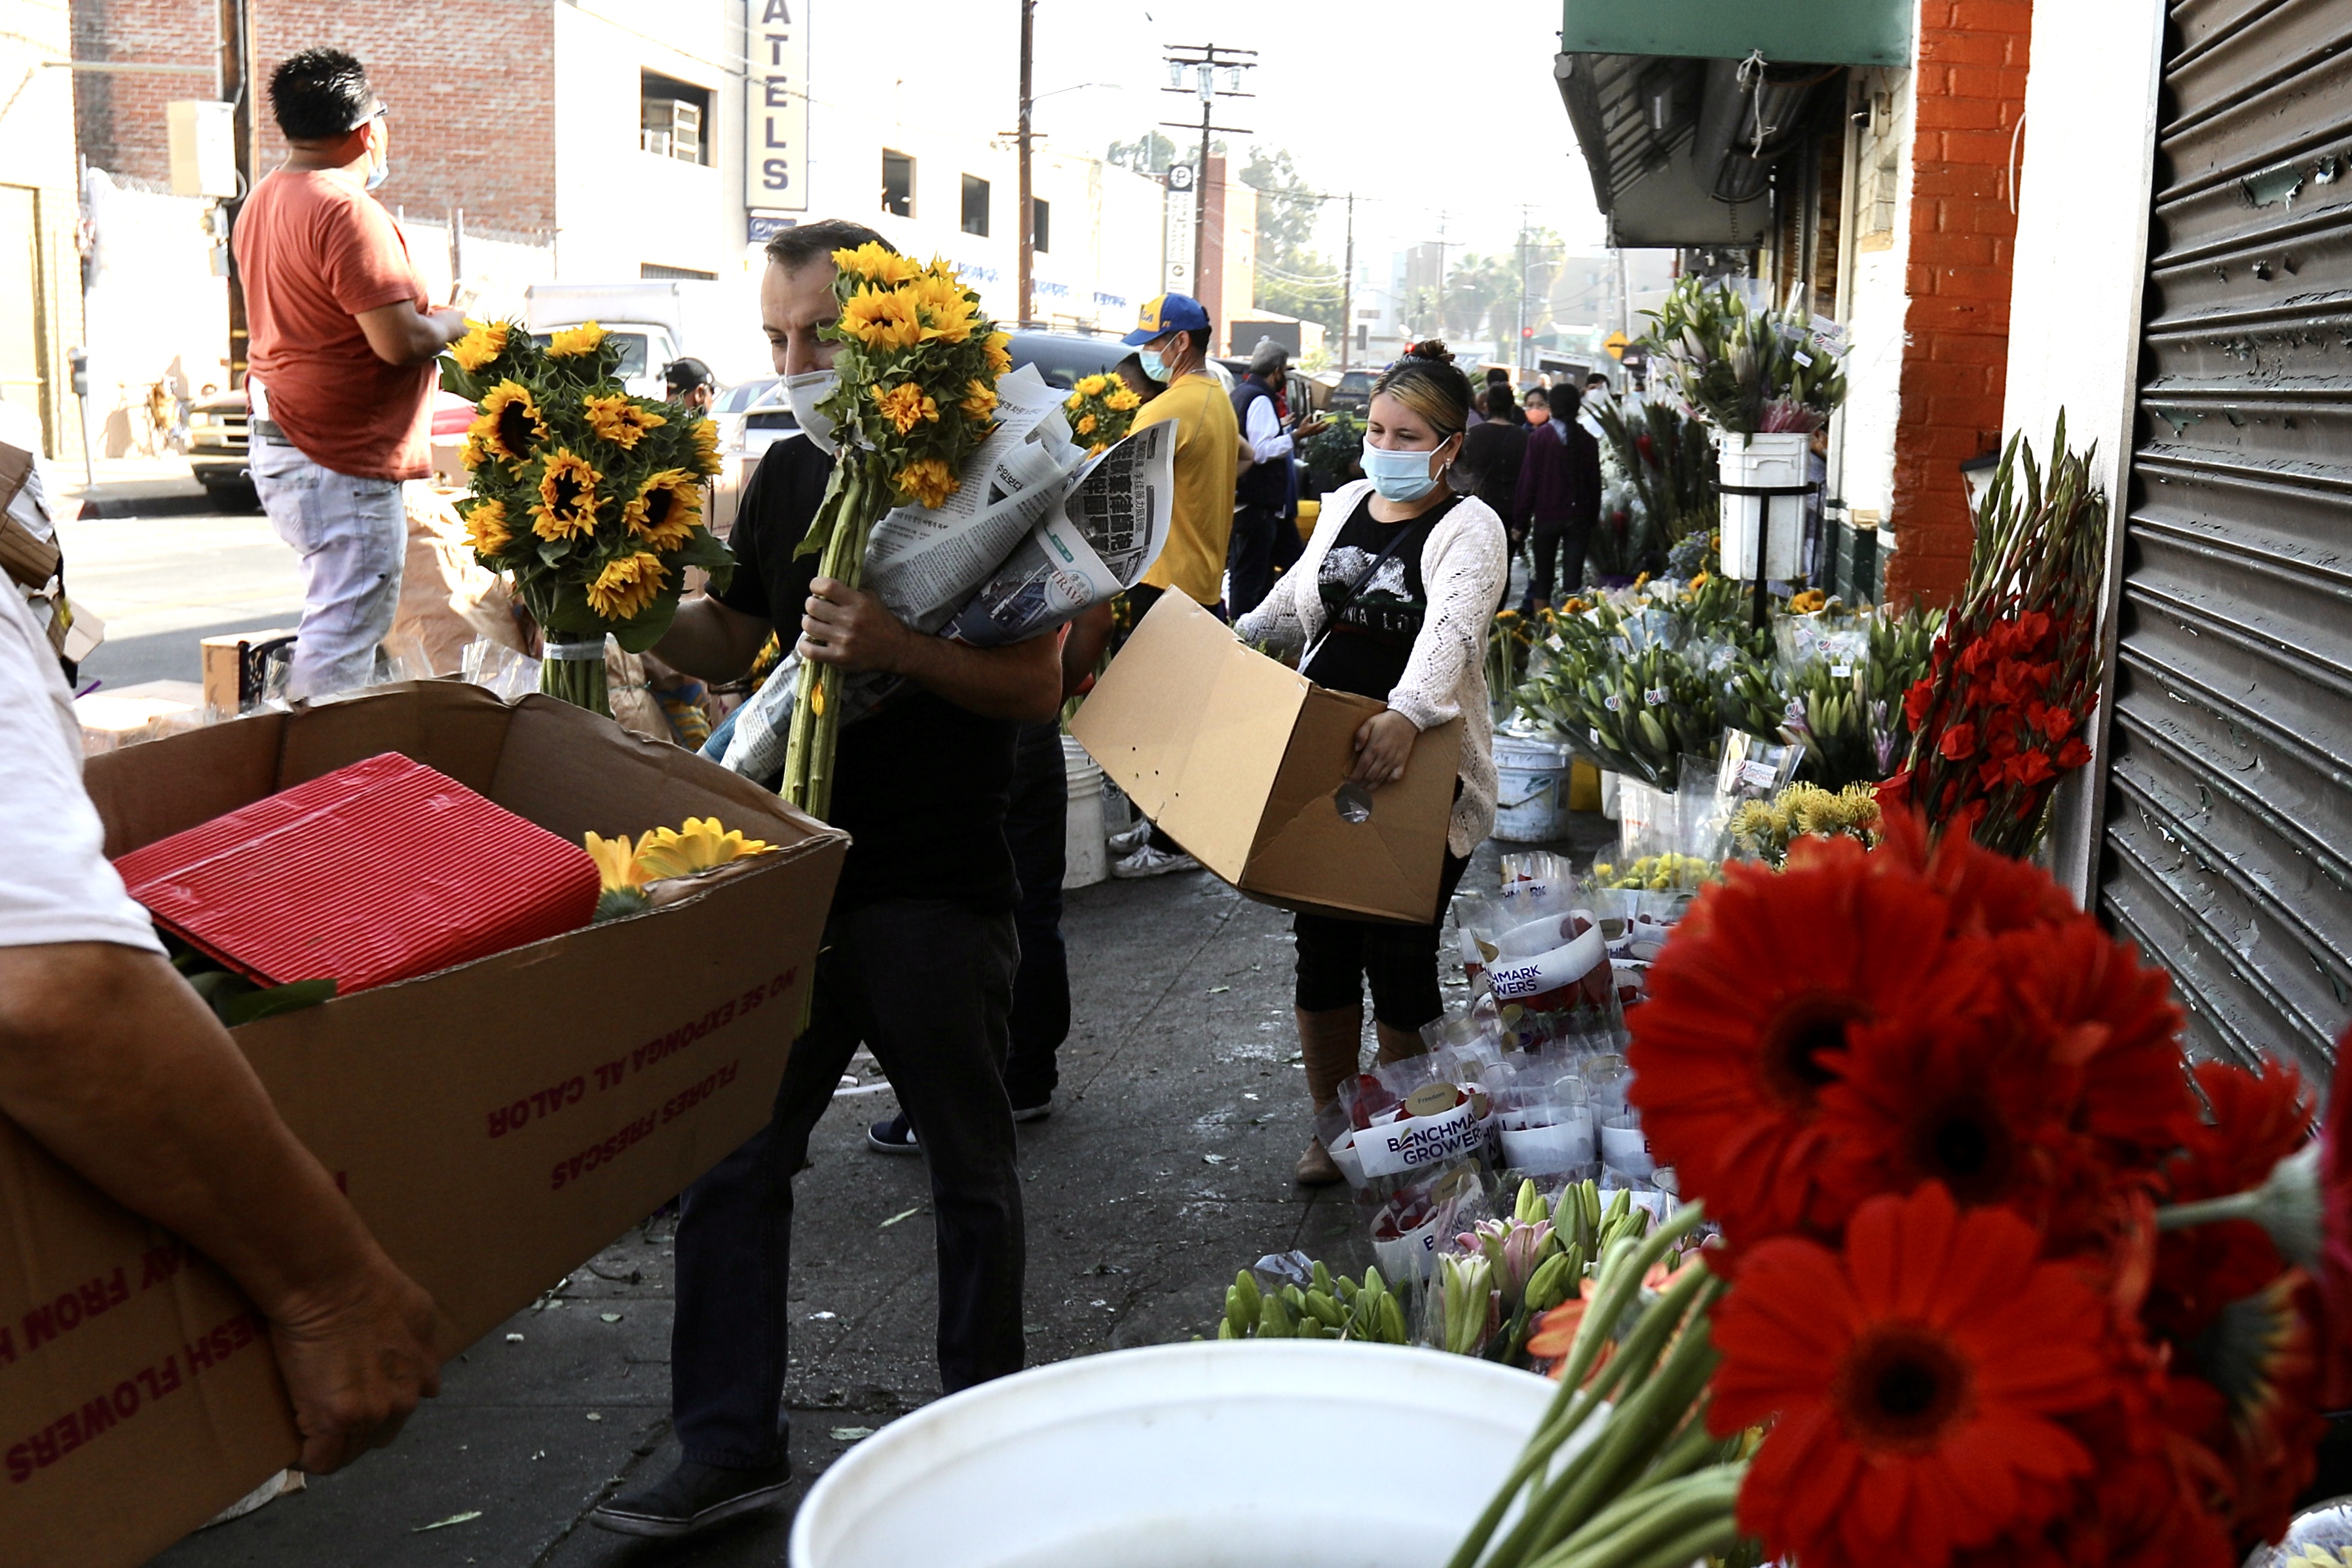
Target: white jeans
[{"x": 351, "y": 534}]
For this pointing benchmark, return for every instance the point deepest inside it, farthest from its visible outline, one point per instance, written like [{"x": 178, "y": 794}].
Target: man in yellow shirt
[{"x": 1172, "y": 336}]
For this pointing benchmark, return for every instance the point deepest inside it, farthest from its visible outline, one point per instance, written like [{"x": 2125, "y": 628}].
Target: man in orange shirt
[{"x": 340, "y": 350}]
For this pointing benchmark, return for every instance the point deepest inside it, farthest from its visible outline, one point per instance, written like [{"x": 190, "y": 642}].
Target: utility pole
[
  {"x": 1521, "y": 361},
  {"x": 1347, "y": 289},
  {"x": 1027, "y": 268},
  {"x": 237, "y": 87},
  {"x": 1202, "y": 62}
]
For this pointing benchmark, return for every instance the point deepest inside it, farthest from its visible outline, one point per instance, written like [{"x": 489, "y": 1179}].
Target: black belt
[{"x": 267, "y": 430}]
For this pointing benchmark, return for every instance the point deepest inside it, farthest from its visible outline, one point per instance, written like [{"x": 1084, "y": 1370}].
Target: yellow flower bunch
[
  {"x": 1812, "y": 600},
  {"x": 589, "y": 498},
  {"x": 1765, "y": 829},
  {"x": 1101, "y": 410},
  {"x": 1669, "y": 872}
]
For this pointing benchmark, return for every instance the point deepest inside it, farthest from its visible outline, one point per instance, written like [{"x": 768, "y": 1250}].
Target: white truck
[{"x": 656, "y": 322}]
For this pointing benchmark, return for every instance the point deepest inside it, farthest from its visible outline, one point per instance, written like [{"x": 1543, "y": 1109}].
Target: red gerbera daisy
[
  {"x": 1914, "y": 1384},
  {"x": 1759, "y": 985},
  {"x": 2112, "y": 1018},
  {"x": 1989, "y": 892}
]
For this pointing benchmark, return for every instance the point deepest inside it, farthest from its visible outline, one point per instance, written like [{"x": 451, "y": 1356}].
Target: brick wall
[
  {"x": 469, "y": 82},
  {"x": 1971, "y": 89}
]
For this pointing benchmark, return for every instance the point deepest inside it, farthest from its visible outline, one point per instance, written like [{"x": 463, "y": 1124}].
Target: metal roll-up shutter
[{"x": 2227, "y": 847}]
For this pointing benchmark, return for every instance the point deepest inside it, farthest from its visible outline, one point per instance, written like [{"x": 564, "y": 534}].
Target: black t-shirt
[
  {"x": 919, "y": 785},
  {"x": 1370, "y": 643}
]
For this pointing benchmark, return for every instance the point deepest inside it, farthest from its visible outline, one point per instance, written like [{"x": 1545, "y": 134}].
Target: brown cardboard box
[
  {"x": 497, "y": 1124},
  {"x": 231, "y": 676},
  {"x": 1242, "y": 760}
]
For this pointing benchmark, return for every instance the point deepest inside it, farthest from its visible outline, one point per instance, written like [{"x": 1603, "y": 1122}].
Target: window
[
  {"x": 975, "y": 205},
  {"x": 897, "y": 184},
  {"x": 1041, "y": 224},
  {"x": 671, "y": 119},
  {"x": 684, "y": 274}
]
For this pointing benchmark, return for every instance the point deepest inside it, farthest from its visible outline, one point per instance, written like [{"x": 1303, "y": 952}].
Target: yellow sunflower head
[
  {"x": 1075, "y": 401},
  {"x": 621, "y": 419},
  {"x": 573, "y": 342},
  {"x": 627, "y": 588},
  {"x": 1123, "y": 400},
  {"x": 926, "y": 481},
  {"x": 474, "y": 454},
  {"x": 483, "y": 341},
  {"x": 905, "y": 406},
  {"x": 1093, "y": 385},
  {"x": 567, "y": 497},
  {"x": 979, "y": 400},
  {"x": 706, "y": 445},
  {"x": 1000, "y": 362},
  {"x": 874, "y": 262},
  {"x": 947, "y": 315},
  {"x": 883, "y": 318},
  {"x": 488, "y": 529},
  {"x": 1087, "y": 426},
  {"x": 665, "y": 510},
  {"x": 509, "y": 424},
  {"x": 704, "y": 844}
]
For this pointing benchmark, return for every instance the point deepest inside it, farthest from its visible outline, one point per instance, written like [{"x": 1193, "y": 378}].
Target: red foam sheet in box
[{"x": 376, "y": 872}]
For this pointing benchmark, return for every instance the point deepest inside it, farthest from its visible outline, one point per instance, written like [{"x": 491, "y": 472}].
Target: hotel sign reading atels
[{"x": 775, "y": 122}]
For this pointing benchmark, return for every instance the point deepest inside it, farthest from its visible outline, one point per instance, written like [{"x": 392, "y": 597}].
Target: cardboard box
[
  {"x": 497, "y": 1123},
  {"x": 119, "y": 716},
  {"x": 1243, "y": 761},
  {"x": 232, "y": 668}
]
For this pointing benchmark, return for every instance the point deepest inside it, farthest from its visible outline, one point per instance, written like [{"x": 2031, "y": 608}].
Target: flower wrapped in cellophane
[
  {"x": 589, "y": 497},
  {"x": 1101, "y": 410},
  {"x": 918, "y": 368}
]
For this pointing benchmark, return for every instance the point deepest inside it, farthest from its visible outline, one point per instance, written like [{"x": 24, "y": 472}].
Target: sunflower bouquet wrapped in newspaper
[
  {"x": 591, "y": 498},
  {"x": 960, "y": 498},
  {"x": 1101, "y": 410}
]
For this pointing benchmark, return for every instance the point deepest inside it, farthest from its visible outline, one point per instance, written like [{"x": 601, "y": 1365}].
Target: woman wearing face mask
[{"x": 1391, "y": 600}]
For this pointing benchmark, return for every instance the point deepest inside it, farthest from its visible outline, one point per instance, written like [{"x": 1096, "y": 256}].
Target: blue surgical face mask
[
  {"x": 1398, "y": 476},
  {"x": 1153, "y": 365}
]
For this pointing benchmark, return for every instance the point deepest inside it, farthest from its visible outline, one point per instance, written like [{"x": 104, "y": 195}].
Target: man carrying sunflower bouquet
[{"x": 918, "y": 953}]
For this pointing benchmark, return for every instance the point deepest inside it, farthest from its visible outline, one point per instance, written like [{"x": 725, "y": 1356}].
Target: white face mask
[{"x": 806, "y": 391}]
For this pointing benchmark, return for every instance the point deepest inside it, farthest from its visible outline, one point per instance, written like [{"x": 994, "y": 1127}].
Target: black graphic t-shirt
[{"x": 1370, "y": 643}]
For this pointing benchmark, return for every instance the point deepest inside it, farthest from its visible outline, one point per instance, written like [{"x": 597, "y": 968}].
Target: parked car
[{"x": 1354, "y": 393}]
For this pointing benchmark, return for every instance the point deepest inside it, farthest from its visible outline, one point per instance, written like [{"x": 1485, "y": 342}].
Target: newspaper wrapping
[{"x": 1037, "y": 532}]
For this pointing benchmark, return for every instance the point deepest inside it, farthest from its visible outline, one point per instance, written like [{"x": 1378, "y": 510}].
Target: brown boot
[
  {"x": 1331, "y": 1045},
  {"x": 1398, "y": 1044}
]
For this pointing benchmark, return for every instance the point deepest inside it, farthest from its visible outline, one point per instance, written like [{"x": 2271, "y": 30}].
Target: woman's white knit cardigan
[{"x": 1463, "y": 568}]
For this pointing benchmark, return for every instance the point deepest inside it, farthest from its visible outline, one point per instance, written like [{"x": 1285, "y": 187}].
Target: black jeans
[
  {"x": 1337, "y": 957},
  {"x": 1249, "y": 557},
  {"x": 928, "y": 984},
  {"x": 1566, "y": 540},
  {"x": 1035, "y": 827}
]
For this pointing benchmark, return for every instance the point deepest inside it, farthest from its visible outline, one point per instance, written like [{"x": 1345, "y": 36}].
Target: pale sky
[{"x": 1434, "y": 114}]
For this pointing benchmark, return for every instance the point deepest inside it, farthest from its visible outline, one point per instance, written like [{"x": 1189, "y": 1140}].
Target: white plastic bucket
[
  {"x": 1777, "y": 460},
  {"x": 1611, "y": 785},
  {"x": 1531, "y": 789},
  {"x": 1085, "y": 859},
  {"x": 1245, "y": 1454}
]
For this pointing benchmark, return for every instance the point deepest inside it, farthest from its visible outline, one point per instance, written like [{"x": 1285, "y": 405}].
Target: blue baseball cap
[{"x": 1168, "y": 313}]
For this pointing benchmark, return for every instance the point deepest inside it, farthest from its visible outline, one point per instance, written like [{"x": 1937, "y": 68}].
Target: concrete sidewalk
[
  {"x": 128, "y": 487},
  {"x": 1164, "y": 1168}
]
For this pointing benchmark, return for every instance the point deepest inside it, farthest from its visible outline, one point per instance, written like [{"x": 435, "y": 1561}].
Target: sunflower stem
[{"x": 1622, "y": 1270}]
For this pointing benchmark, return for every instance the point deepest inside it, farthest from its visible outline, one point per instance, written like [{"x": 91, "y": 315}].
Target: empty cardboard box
[
  {"x": 1244, "y": 763},
  {"x": 497, "y": 1123}
]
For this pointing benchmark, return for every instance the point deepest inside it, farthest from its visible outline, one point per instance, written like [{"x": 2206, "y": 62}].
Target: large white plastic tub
[{"x": 1250, "y": 1453}]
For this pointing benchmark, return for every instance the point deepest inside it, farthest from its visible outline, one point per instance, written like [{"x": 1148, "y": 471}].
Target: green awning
[{"x": 1817, "y": 32}]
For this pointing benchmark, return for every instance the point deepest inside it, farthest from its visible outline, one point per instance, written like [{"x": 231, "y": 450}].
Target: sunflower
[
  {"x": 706, "y": 445},
  {"x": 882, "y": 319},
  {"x": 1075, "y": 401},
  {"x": 573, "y": 342},
  {"x": 1123, "y": 400},
  {"x": 1093, "y": 385},
  {"x": 487, "y": 528},
  {"x": 567, "y": 497},
  {"x": 905, "y": 406},
  {"x": 473, "y": 453},
  {"x": 997, "y": 347},
  {"x": 617, "y": 862},
  {"x": 621, "y": 419},
  {"x": 979, "y": 400},
  {"x": 926, "y": 481},
  {"x": 509, "y": 424},
  {"x": 665, "y": 510},
  {"x": 702, "y": 845},
  {"x": 1914, "y": 1384},
  {"x": 1760, "y": 984},
  {"x": 483, "y": 341},
  {"x": 877, "y": 263},
  {"x": 627, "y": 587},
  {"x": 1086, "y": 425},
  {"x": 948, "y": 316}
]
